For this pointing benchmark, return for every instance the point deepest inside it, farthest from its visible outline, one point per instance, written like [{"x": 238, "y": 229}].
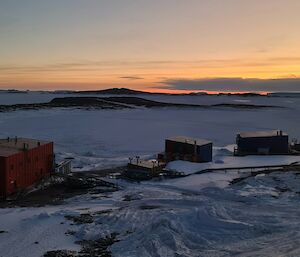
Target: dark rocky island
[{"x": 118, "y": 103}]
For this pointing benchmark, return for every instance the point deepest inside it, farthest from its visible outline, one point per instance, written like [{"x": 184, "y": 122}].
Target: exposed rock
[
  {"x": 149, "y": 207},
  {"x": 97, "y": 248},
  {"x": 81, "y": 219},
  {"x": 128, "y": 198},
  {"x": 60, "y": 253}
]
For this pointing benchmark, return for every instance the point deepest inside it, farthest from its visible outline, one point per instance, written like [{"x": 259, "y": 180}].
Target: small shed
[
  {"x": 64, "y": 167},
  {"x": 142, "y": 169},
  {"x": 188, "y": 149},
  {"x": 262, "y": 143}
]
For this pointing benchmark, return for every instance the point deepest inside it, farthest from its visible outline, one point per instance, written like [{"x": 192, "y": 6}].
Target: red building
[
  {"x": 23, "y": 162},
  {"x": 187, "y": 149}
]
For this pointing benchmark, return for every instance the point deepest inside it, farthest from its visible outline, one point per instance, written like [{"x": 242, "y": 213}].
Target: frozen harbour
[
  {"x": 199, "y": 215},
  {"x": 100, "y": 139}
]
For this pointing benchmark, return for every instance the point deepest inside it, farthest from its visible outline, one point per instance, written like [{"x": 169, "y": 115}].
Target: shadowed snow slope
[
  {"x": 170, "y": 220},
  {"x": 256, "y": 217}
]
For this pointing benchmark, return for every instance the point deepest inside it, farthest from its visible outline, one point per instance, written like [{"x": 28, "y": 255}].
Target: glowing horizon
[{"x": 80, "y": 45}]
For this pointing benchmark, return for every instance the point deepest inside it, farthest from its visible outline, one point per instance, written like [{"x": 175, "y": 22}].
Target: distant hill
[
  {"x": 115, "y": 91},
  {"x": 128, "y": 91},
  {"x": 241, "y": 94},
  {"x": 14, "y": 91},
  {"x": 285, "y": 94}
]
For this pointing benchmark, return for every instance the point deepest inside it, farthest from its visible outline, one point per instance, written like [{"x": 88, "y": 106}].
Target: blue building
[{"x": 262, "y": 142}]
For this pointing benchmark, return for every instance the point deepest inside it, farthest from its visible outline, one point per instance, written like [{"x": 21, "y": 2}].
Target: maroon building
[
  {"x": 188, "y": 149},
  {"x": 23, "y": 162}
]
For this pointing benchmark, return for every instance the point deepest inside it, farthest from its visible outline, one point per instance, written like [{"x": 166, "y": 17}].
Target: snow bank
[
  {"x": 169, "y": 220},
  {"x": 32, "y": 232},
  {"x": 227, "y": 161}
]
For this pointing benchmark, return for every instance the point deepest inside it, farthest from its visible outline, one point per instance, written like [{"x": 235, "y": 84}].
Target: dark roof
[
  {"x": 11, "y": 146},
  {"x": 268, "y": 133},
  {"x": 189, "y": 140}
]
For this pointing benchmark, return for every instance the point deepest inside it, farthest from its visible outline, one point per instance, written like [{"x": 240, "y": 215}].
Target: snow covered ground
[
  {"x": 258, "y": 217},
  {"x": 199, "y": 215},
  {"x": 31, "y": 232}
]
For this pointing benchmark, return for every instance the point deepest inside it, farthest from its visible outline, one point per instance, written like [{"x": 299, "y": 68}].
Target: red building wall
[
  {"x": 23, "y": 169},
  {"x": 2, "y": 177}
]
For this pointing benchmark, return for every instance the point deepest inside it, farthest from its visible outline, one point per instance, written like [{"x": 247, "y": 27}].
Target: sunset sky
[{"x": 235, "y": 45}]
